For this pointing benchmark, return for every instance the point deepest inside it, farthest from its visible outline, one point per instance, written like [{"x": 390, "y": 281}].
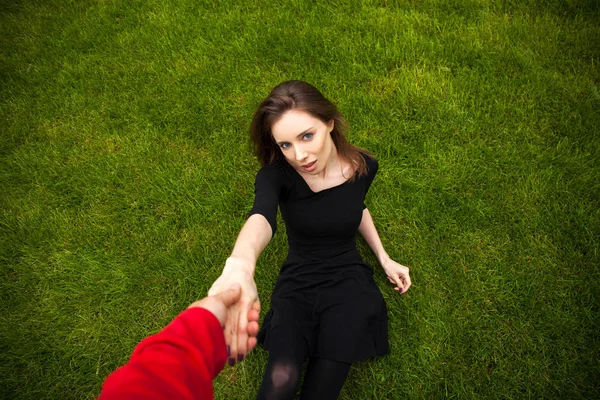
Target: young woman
[{"x": 325, "y": 304}]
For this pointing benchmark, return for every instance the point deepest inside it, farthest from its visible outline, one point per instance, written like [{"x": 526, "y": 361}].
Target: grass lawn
[{"x": 125, "y": 175}]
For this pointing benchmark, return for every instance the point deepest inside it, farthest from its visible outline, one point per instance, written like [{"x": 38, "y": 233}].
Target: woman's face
[{"x": 304, "y": 140}]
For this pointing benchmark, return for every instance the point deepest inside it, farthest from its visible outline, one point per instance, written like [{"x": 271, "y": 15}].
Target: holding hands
[
  {"x": 241, "y": 319},
  {"x": 191, "y": 345},
  {"x": 220, "y": 305}
]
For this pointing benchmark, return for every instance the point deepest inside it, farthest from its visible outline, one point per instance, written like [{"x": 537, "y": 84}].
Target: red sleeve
[{"x": 179, "y": 362}]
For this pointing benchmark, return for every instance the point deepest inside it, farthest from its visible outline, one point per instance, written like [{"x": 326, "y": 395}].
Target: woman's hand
[
  {"x": 220, "y": 304},
  {"x": 397, "y": 274},
  {"x": 239, "y": 338}
]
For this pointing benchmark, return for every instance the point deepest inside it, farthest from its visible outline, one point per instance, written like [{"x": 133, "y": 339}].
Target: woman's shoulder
[
  {"x": 275, "y": 172},
  {"x": 371, "y": 162},
  {"x": 279, "y": 167},
  {"x": 368, "y": 157}
]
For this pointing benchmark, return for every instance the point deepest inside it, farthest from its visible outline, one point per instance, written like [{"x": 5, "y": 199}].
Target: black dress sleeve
[
  {"x": 372, "y": 167},
  {"x": 267, "y": 189}
]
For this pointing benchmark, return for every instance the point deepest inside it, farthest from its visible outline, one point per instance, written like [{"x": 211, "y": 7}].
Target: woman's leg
[
  {"x": 324, "y": 379},
  {"x": 287, "y": 351}
]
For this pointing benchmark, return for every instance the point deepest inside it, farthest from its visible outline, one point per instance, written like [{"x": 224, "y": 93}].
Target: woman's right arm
[{"x": 239, "y": 268}]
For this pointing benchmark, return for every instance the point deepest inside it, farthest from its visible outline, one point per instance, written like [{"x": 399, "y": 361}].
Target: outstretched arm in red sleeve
[{"x": 181, "y": 361}]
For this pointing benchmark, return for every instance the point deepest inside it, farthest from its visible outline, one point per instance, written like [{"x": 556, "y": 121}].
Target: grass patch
[{"x": 126, "y": 176}]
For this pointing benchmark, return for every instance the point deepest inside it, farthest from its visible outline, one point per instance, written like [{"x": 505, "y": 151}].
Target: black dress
[{"x": 324, "y": 289}]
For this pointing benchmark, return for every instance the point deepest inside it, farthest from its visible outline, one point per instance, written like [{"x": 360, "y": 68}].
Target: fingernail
[
  {"x": 231, "y": 361},
  {"x": 240, "y": 357},
  {"x": 228, "y": 351}
]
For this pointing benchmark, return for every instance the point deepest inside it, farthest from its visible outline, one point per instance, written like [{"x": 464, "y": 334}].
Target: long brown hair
[{"x": 298, "y": 95}]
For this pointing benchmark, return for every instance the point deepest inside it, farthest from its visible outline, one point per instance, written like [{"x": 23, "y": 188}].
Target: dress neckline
[{"x": 308, "y": 186}]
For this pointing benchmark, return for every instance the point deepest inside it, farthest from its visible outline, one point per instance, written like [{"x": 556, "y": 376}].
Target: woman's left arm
[{"x": 396, "y": 273}]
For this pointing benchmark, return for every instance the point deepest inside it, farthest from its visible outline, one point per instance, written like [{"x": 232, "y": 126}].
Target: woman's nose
[{"x": 300, "y": 153}]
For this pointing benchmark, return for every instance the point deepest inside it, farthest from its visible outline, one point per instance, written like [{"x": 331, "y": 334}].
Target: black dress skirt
[{"x": 324, "y": 290}]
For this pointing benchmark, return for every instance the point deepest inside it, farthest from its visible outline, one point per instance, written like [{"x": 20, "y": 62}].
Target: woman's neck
[{"x": 332, "y": 165}]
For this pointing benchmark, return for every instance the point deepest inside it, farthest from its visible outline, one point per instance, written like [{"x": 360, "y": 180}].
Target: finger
[
  {"x": 395, "y": 280},
  {"x": 398, "y": 282},
  {"x": 233, "y": 334},
  {"x": 405, "y": 279},
  {"x": 231, "y": 295},
  {"x": 251, "y": 344},
  {"x": 256, "y": 305},
  {"x": 253, "y": 315},
  {"x": 407, "y": 285},
  {"x": 227, "y": 333},
  {"x": 242, "y": 333},
  {"x": 393, "y": 283},
  {"x": 253, "y": 328}
]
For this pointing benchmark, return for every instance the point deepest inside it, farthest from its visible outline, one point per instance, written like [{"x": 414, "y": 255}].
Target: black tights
[{"x": 323, "y": 380}]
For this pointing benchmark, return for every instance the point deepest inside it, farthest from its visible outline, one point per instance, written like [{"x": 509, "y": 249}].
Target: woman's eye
[
  {"x": 284, "y": 145},
  {"x": 308, "y": 136}
]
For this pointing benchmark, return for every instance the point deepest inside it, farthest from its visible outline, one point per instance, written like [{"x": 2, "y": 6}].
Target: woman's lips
[{"x": 310, "y": 166}]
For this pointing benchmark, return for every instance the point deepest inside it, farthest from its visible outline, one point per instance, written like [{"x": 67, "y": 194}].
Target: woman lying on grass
[{"x": 325, "y": 304}]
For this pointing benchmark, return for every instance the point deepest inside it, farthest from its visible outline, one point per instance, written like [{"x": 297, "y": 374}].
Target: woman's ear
[{"x": 330, "y": 125}]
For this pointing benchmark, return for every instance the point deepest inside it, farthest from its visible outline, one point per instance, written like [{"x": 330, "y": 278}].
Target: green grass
[{"x": 126, "y": 175}]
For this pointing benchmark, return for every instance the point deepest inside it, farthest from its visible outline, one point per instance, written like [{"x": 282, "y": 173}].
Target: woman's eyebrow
[
  {"x": 298, "y": 135},
  {"x": 305, "y": 132}
]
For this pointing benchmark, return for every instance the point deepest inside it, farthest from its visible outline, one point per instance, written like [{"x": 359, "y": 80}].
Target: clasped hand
[{"x": 241, "y": 322}]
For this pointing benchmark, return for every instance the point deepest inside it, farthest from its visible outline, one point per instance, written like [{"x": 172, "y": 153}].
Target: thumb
[
  {"x": 231, "y": 295},
  {"x": 395, "y": 280}
]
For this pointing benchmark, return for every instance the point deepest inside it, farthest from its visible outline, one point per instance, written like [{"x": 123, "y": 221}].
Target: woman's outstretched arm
[
  {"x": 396, "y": 273},
  {"x": 239, "y": 268}
]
